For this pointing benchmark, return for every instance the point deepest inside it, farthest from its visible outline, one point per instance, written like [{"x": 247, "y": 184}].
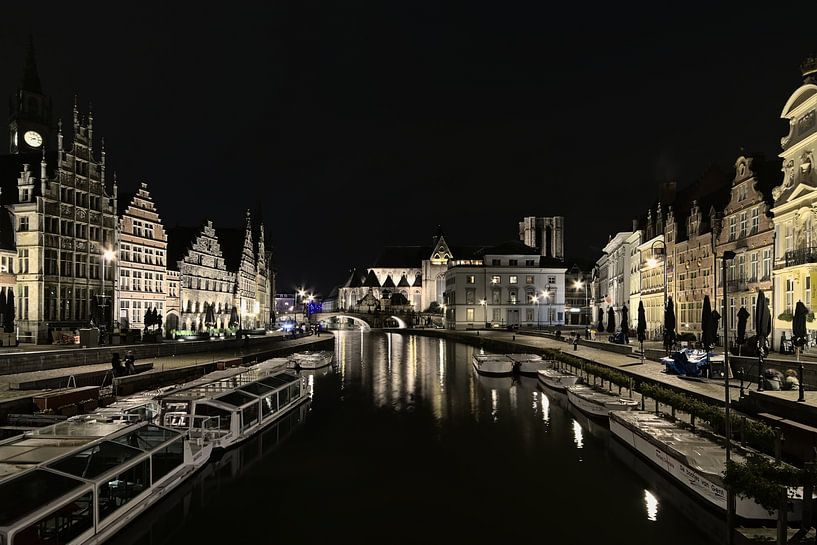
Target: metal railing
[{"x": 801, "y": 256}]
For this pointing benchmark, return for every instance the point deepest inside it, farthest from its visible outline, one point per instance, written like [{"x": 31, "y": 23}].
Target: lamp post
[
  {"x": 484, "y": 304},
  {"x": 730, "y": 494},
  {"x": 107, "y": 256},
  {"x": 301, "y": 292},
  {"x": 546, "y": 295},
  {"x": 578, "y": 284},
  {"x": 535, "y": 299},
  {"x": 652, "y": 262}
]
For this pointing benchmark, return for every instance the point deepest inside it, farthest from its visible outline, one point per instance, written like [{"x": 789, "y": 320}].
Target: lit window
[
  {"x": 470, "y": 279},
  {"x": 512, "y": 279}
]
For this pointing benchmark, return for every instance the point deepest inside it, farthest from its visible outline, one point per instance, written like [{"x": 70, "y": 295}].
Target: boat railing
[{"x": 200, "y": 428}]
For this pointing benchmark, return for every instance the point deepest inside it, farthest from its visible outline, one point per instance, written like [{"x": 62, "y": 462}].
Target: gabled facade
[
  {"x": 747, "y": 229},
  {"x": 142, "y": 261},
  {"x": 205, "y": 281},
  {"x": 795, "y": 208},
  {"x": 65, "y": 220},
  {"x": 248, "y": 306}
]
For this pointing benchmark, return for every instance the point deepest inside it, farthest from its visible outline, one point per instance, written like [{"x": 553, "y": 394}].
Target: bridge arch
[{"x": 339, "y": 315}]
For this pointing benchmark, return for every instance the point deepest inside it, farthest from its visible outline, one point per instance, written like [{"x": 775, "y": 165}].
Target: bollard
[
  {"x": 760, "y": 374},
  {"x": 802, "y": 396},
  {"x": 741, "y": 383}
]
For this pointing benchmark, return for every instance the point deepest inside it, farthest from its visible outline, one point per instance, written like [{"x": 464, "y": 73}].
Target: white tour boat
[
  {"x": 597, "y": 402},
  {"x": 697, "y": 462},
  {"x": 311, "y": 359},
  {"x": 558, "y": 380},
  {"x": 232, "y": 407},
  {"x": 493, "y": 364},
  {"x": 81, "y": 480},
  {"x": 529, "y": 364}
]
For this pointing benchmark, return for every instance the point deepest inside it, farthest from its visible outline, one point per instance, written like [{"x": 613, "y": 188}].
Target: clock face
[{"x": 33, "y": 139}]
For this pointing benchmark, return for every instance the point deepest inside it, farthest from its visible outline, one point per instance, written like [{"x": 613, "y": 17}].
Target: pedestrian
[
  {"x": 587, "y": 333},
  {"x": 116, "y": 365},
  {"x": 791, "y": 383},
  {"x": 576, "y": 342},
  {"x": 130, "y": 363}
]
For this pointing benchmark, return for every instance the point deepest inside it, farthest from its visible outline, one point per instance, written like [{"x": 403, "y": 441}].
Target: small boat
[
  {"x": 695, "y": 461},
  {"x": 81, "y": 480},
  {"x": 311, "y": 359},
  {"x": 597, "y": 402},
  {"x": 233, "y": 407},
  {"x": 529, "y": 364},
  {"x": 558, "y": 380},
  {"x": 493, "y": 364}
]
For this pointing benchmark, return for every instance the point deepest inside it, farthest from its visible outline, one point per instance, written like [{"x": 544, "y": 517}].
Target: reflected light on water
[
  {"x": 578, "y": 438},
  {"x": 652, "y": 505},
  {"x": 494, "y": 404},
  {"x": 310, "y": 385},
  {"x": 545, "y": 406}
]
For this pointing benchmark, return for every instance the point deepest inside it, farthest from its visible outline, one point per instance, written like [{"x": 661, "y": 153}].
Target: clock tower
[{"x": 29, "y": 111}]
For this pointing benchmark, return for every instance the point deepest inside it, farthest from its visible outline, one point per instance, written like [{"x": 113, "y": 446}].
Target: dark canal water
[{"x": 410, "y": 445}]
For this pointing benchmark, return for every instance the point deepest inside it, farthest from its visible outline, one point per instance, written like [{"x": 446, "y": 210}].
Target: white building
[{"x": 506, "y": 284}]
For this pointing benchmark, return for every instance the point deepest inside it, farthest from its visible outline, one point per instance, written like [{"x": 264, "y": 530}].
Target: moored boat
[
  {"x": 232, "y": 408},
  {"x": 493, "y": 364},
  {"x": 695, "y": 461},
  {"x": 558, "y": 380},
  {"x": 597, "y": 402},
  {"x": 311, "y": 359},
  {"x": 529, "y": 364},
  {"x": 79, "y": 481}
]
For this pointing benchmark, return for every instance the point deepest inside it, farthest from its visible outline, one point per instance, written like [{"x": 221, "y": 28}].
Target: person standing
[
  {"x": 117, "y": 368},
  {"x": 130, "y": 363}
]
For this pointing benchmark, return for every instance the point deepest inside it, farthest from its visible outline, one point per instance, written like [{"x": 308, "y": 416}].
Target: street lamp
[
  {"x": 484, "y": 304},
  {"x": 578, "y": 284},
  {"x": 546, "y": 295},
  {"x": 107, "y": 256}
]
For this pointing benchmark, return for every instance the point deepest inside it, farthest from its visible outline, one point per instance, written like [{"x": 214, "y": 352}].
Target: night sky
[{"x": 352, "y": 124}]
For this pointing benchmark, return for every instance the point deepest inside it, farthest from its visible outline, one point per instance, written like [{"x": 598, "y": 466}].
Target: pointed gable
[
  {"x": 441, "y": 252},
  {"x": 354, "y": 280},
  {"x": 418, "y": 281},
  {"x": 403, "y": 282},
  {"x": 371, "y": 281},
  {"x": 388, "y": 283}
]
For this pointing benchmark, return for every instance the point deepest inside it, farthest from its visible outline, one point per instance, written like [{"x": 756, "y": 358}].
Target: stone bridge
[{"x": 363, "y": 320}]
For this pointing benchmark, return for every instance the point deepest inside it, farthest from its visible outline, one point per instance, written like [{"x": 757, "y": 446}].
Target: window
[
  {"x": 733, "y": 226},
  {"x": 470, "y": 296},
  {"x": 67, "y": 263},
  {"x": 789, "y": 294},
  {"x": 753, "y": 268},
  {"x": 496, "y": 296},
  {"x": 148, "y": 230},
  {"x": 551, "y": 279},
  {"x": 123, "y": 488},
  {"x": 22, "y": 224},
  {"x": 529, "y": 279},
  {"x": 743, "y": 224},
  {"x": 513, "y": 262},
  {"x": 23, "y": 305},
  {"x": 497, "y": 312},
  {"x": 767, "y": 264},
  {"x": 512, "y": 279},
  {"x": 125, "y": 253},
  {"x": 496, "y": 262},
  {"x": 512, "y": 296},
  {"x": 530, "y": 262},
  {"x": 788, "y": 237},
  {"x": 496, "y": 279},
  {"x": 50, "y": 261},
  {"x": 80, "y": 267},
  {"x": 470, "y": 279},
  {"x": 62, "y": 525},
  {"x": 529, "y": 315},
  {"x": 808, "y": 289},
  {"x": 469, "y": 315},
  {"x": 755, "y": 220}
]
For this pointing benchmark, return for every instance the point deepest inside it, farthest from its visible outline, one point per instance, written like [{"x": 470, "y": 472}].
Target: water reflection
[
  {"x": 651, "y": 503},
  {"x": 404, "y": 429}
]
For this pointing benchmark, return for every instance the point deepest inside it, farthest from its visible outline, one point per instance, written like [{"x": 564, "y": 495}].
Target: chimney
[{"x": 635, "y": 225}]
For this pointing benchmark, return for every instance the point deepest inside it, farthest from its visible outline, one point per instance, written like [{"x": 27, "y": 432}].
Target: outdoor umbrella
[
  {"x": 233, "y": 317},
  {"x": 600, "y": 326},
  {"x": 625, "y": 318},
  {"x": 763, "y": 326},
  {"x": 8, "y": 315},
  {"x": 707, "y": 332},
  {"x": 3, "y": 305},
  {"x": 611, "y": 320},
  {"x": 669, "y": 325},
  {"x": 209, "y": 315},
  {"x": 743, "y": 316},
  {"x": 799, "y": 324}
]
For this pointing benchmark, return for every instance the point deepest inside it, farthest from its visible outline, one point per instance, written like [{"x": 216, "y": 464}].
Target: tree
[
  {"x": 148, "y": 319},
  {"x": 434, "y": 308}
]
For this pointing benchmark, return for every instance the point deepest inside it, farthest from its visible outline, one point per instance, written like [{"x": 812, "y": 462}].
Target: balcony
[{"x": 800, "y": 256}]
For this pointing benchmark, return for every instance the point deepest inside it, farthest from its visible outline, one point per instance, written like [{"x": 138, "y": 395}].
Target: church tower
[{"x": 29, "y": 111}]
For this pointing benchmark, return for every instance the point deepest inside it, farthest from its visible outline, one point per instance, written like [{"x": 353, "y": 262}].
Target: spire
[
  {"x": 809, "y": 69},
  {"x": 31, "y": 78}
]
